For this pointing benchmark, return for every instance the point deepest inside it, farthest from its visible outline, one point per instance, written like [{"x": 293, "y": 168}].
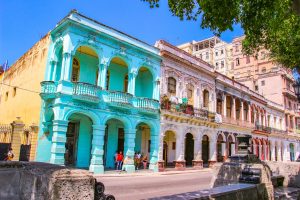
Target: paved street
[{"x": 147, "y": 185}]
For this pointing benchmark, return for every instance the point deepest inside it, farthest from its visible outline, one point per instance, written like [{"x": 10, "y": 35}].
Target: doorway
[
  {"x": 71, "y": 144},
  {"x": 189, "y": 149}
]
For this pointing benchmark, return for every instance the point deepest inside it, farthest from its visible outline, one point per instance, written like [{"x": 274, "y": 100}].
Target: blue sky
[{"x": 23, "y": 23}]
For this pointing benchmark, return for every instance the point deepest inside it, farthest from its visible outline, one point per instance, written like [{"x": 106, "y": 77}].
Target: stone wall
[
  {"x": 290, "y": 171},
  {"x": 42, "y": 181}
]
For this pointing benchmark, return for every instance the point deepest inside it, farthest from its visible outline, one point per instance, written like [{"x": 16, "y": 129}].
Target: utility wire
[{"x": 20, "y": 88}]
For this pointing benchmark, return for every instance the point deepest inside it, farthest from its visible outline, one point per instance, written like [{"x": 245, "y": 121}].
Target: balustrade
[
  {"x": 118, "y": 97},
  {"x": 146, "y": 103},
  {"x": 48, "y": 89},
  {"x": 86, "y": 91}
]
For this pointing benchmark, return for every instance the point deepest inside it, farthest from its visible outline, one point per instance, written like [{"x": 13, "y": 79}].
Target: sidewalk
[{"x": 146, "y": 172}]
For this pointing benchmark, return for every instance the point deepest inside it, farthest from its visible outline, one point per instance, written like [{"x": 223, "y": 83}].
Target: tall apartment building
[{"x": 213, "y": 51}]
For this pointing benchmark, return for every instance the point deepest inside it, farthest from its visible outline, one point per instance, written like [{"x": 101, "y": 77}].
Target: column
[
  {"x": 131, "y": 82},
  {"x": 259, "y": 119},
  {"x": 254, "y": 149},
  {"x": 294, "y": 123},
  {"x": 249, "y": 112},
  {"x": 232, "y": 146},
  {"x": 99, "y": 75},
  {"x": 198, "y": 162},
  {"x": 273, "y": 151},
  {"x": 180, "y": 162},
  {"x": 223, "y": 146},
  {"x": 103, "y": 71},
  {"x": 129, "y": 145},
  {"x": 212, "y": 151},
  {"x": 161, "y": 162},
  {"x": 96, "y": 165},
  {"x": 156, "y": 90},
  {"x": 17, "y": 131},
  {"x": 58, "y": 142},
  {"x": 286, "y": 155},
  {"x": 66, "y": 66},
  {"x": 260, "y": 151},
  {"x": 287, "y": 122},
  {"x": 242, "y": 111},
  {"x": 154, "y": 137},
  {"x": 52, "y": 71},
  {"x": 224, "y": 105},
  {"x": 233, "y": 109}
]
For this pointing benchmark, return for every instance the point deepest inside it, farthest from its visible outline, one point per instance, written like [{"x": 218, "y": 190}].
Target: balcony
[
  {"x": 93, "y": 94},
  {"x": 48, "y": 90},
  {"x": 86, "y": 92},
  {"x": 189, "y": 110},
  {"x": 261, "y": 129},
  {"x": 277, "y": 131},
  {"x": 237, "y": 122}
]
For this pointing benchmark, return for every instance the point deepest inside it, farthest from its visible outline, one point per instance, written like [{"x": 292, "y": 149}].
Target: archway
[
  {"x": 113, "y": 141},
  {"x": 205, "y": 149},
  {"x": 189, "y": 149},
  {"x": 143, "y": 140},
  {"x": 117, "y": 75},
  {"x": 169, "y": 151},
  {"x": 144, "y": 83},
  {"x": 238, "y": 107},
  {"x": 292, "y": 152},
  {"x": 78, "y": 141},
  {"x": 220, "y": 148},
  {"x": 85, "y": 66},
  {"x": 206, "y": 99}
]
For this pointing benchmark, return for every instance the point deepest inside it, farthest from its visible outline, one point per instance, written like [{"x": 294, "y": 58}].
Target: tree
[{"x": 269, "y": 24}]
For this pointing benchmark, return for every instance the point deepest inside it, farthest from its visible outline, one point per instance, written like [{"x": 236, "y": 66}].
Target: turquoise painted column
[
  {"x": 103, "y": 71},
  {"x": 131, "y": 82},
  {"x": 58, "y": 142},
  {"x": 66, "y": 66},
  {"x": 156, "y": 89},
  {"x": 154, "y": 150},
  {"x": 129, "y": 144},
  {"x": 96, "y": 165}
]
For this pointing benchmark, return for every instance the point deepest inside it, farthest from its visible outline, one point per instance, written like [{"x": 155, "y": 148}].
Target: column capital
[
  {"x": 60, "y": 122},
  {"x": 98, "y": 127}
]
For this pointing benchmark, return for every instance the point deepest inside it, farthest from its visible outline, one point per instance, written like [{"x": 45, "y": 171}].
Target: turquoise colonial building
[{"x": 100, "y": 95}]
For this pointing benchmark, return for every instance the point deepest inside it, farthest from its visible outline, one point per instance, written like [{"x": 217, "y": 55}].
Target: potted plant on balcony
[{"x": 165, "y": 102}]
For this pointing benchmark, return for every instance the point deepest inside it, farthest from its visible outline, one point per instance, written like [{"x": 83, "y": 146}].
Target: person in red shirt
[{"x": 119, "y": 160}]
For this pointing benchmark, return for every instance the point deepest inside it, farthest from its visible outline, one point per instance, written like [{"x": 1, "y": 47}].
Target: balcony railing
[
  {"x": 118, "y": 97},
  {"x": 86, "y": 92},
  {"x": 262, "y": 128},
  {"x": 278, "y": 131},
  {"x": 48, "y": 89},
  {"x": 237, "y": 122},
  {"x": 146, "y": 103},
  {"x": 189, "y": 110}
]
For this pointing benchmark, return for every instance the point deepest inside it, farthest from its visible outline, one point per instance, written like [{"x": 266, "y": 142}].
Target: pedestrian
[
  {"x": 136, "y": 161},
  {"x": 119, "y": 160},
  {"x": 139, "y": 157},
  {"x": 145, "y": 161},
  {"x": 10, "y": 155}
]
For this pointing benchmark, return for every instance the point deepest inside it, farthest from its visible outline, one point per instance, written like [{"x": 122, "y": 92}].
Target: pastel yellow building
[{"x": 19, "y": 97}]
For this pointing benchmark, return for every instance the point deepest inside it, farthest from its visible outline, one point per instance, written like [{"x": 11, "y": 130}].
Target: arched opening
[
  {"x": 117, "y": 75},
  {"x": 219, "y": 104},
  {"x": 144, "y": 83},
  {"x": 142, "y": 144},
  {"x": 231, "y": 145},
  {"x": 169, "y": 151},
  {"x": 292, "y": 152},
  {"x": 205, "y": 99},
  {"x": 276, "y": 151},
  {"x": 113, "y": 142},
  {"x": 246, "y": 110},
  {"x": 78, "y": 141},
  {"x": 189, "y": 149},
  {"x": 205, "y": 149},
  {"x": 172, "y": 86},
  {"x": 85, "y": 65},
  {"x": 220, "y": 148}
]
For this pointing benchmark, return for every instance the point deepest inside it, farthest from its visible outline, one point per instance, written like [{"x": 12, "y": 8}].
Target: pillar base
[
  {"x": 97, "y": 169},
  {"x": 197, "y": 164},
  {"x": 211, "y": 163},
  {"x": 179, "y": 164},
  {"x": 129, "y": 168},
  {"x": 161, "y": 166}
]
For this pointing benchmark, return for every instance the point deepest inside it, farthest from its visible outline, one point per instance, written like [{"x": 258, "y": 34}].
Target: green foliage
[{"x": 270, "y": 24}]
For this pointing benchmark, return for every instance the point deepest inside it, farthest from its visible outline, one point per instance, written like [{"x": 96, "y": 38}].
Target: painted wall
[
  {"x": 88, "y": 68},
  {"x": 117, "y": 77},
  {"x": 144, "y": 84}
]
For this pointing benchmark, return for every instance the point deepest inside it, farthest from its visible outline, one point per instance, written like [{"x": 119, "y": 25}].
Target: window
[
  {"x": 75, "y": 70},
  {"x": 216, "y": 53},
  {"x": 207, "y": 56},
  {"x": 222, "y": 64},
  {"x": 263, "y": 70},
  {"x": 236, "y": 48},
  {"x": 217, "y": 65},
  {"x": 205, "y": 99},
  {"x": 247, "y": 59},
  {"x": 256, "y": 88},
  {"x": 237, "y": 61},
  {"x": 200, "y": 55},
  {"x": 190, "y": 93},
  {"x": 172, "y": 85},
  {"x": 196, "y": 47},
  {"x": 262, "y": 83},
  {"x": 232, "y": 65},
  {"x": 14, "y": 92},
  {"x": 222, "y": 52}
]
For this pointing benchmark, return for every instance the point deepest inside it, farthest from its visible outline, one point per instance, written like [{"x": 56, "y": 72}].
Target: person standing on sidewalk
[
  {"x": 119, "y": 160},
  {"x": 10, "y": 155}
]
